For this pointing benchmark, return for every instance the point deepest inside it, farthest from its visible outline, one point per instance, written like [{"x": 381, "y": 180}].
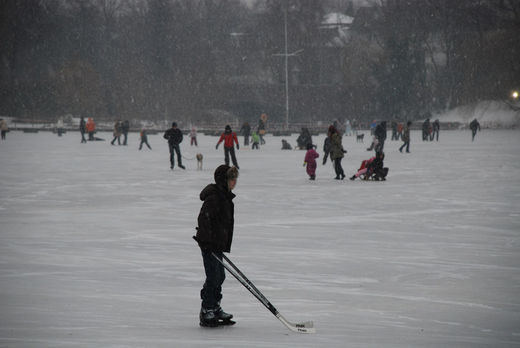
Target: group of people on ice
[
  {"x": 332, "y": 147},
  {"x": 430, "y": 130},
  {"x": 256, "y": 137}
]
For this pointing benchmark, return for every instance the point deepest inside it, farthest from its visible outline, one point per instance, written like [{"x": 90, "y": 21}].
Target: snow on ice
[{"x": 96, "y": 247}]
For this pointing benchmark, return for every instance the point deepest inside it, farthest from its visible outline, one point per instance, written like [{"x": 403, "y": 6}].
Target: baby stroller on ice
[{"x": 372, "y": 169}]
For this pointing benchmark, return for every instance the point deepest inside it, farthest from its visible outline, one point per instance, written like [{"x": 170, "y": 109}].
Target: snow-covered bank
[{"x": 489, "y": 113}]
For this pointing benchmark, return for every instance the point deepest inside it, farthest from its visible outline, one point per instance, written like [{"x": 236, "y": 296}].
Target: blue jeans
[
  {"x": 174, "y": 149},
  {"x": 211, "y": 292}
]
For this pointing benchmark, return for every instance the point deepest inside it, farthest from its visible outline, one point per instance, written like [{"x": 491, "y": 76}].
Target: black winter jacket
[
  {"x": 380, "y": 132},
  {"x": 174, "y": 136},
  {"x": 216, "y": 218}
]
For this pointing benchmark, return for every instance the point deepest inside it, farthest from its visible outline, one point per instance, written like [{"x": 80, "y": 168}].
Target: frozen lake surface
[{"x": 96, "y": 247}]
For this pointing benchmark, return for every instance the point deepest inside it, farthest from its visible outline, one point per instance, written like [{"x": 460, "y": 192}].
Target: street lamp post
[{"x": 287, "y": 55}]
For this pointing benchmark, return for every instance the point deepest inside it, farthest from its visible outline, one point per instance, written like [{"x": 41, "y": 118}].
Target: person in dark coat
[
  {"x": 304, "y": 138},
  {"x": 395, "y": 135},
  {"x": 215, "y": 235},
  {"x": 474, "y": 126},
  {"x": 246, "y": 132},
  {"x": 174, "y": 137},
  {"x": 326, "y": 149},
  {"x": 426, "y": 128},
  {"x": 406, "y": 137},
  {"x": 82, "y": 129},
  {"x": 380, "y": 134},
  {"x": 376, "y": 168},
  {"x": 436, "y": 126},
  {"x": 125, "y": 127},
  {"x": 286, "y": 145},
  {"x": 337, "y": 152},
  {"x": 229, "y": 138}
]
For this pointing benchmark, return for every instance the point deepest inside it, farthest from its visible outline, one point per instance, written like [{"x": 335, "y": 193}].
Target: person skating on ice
[
  {"x": 82, "y": 129},
  {"x": 193, "y": 137},
  {"x": 144, "y": 139},
  {"x": 406, "y": 137},
  {"x": 229, "y": 138},
  {"x": 174, "y": 137},
  {"x": 246, "y": 132},
  {"x": 326, "y": 149},
  {"x": 117, "y": 133},
  {"x": 436, "y": 127},
  {"x": 474, "y": 126},
  {"x": 215, "y": 235}
]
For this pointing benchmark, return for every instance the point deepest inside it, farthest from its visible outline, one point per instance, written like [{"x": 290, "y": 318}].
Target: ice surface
[{"x": 96, "y": 247}]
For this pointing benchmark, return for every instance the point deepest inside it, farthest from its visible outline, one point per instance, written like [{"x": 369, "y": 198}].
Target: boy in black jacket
[{"x": 214, "y": 235}]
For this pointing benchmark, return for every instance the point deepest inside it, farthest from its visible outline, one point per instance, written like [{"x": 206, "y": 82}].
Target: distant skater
[
  {"x": 310, "y": 161},
  {"x": 406, "y": 137},
  {"x": 229, "y": 137},
  {"x": 326, "y": 149},
  {"x": 91, "y": 128},
  {"x": 117, "y": 133},
  {"x": 336, "y": 152},
  {"x": 193, "y": 137},
  {"x": 246, "y": 132},
  {"x": 474, "y": 126},
  {"x": 436, "y": 126},
  {"x": 174, "y": 137},
  {"x": 261, "y": 128},
  {"x": 82, "y": 129},
  {"x": 125, "y": 128},
  {"x": 3, "y": 128},
  {"x": 144, "y": 139}
]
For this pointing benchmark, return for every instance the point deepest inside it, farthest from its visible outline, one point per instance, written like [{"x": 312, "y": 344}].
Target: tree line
[{"x": 163, "y": 59}]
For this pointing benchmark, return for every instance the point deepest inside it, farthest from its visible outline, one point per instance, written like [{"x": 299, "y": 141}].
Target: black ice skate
[{"x": 215, "y": 317}]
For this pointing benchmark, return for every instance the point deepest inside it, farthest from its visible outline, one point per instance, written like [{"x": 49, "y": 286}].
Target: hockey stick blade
[{"x": 306, "y": 327}]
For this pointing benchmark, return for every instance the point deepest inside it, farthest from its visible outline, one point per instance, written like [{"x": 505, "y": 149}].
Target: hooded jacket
[{"x": 216, "y": 217}]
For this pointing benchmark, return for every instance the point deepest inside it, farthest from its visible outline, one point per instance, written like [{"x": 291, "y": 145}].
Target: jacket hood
[
  {"x": 220, "y": 175},
  {"x": 209, "y": 190}
]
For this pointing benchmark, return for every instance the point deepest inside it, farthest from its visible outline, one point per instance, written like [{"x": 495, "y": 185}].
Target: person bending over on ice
[
  {"x": 229, "y": 137},
  {"x": 215, "y": 235},
  {"x": 310, "y": 161}
]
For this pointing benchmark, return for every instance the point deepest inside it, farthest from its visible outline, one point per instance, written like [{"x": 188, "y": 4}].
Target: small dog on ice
[
  {"x": 199, "y": 161},
  {"x": 359, "y": 137}
]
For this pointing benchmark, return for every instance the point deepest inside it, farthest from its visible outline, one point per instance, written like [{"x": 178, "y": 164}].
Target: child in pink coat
[{"x": 310, "y": 161}]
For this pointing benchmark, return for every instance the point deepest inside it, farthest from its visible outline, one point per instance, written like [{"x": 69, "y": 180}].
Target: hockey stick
[{"x": 306, "y": 327}]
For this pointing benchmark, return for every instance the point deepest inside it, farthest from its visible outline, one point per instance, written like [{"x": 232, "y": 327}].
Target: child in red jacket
[
  {"x": 229, "y": 137},
  {"x": 310, "y": 161}
]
